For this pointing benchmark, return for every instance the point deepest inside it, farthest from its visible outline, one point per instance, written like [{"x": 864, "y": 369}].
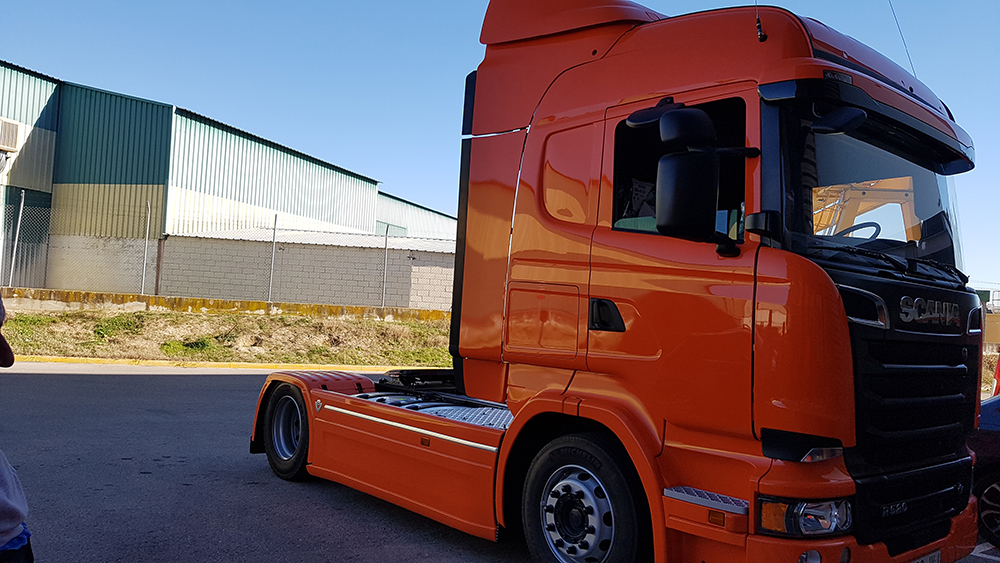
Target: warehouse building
[{"x": 108, "y": 192}]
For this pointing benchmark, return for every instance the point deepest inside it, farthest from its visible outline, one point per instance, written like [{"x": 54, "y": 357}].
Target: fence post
[
  {"x": 385, "y": 264},
  {"x": 274, "y": 239},
  {"x": 17, "y": 233},
  {"x": 145, "y": 252}
]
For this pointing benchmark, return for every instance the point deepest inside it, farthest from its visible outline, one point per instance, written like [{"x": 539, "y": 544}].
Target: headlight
[{"x": 788, "y": 517}]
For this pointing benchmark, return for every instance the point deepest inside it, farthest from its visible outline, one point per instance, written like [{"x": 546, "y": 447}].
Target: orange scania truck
[{"x": 708, "y": 304}]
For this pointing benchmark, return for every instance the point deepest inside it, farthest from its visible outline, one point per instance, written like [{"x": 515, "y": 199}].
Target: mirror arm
[
  {"x": 765, "y": 224},
  {"x": 725, "y": 246}
]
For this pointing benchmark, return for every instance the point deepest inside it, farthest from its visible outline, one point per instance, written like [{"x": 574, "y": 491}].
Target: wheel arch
[
  {"x": 272, "y": 382},
  {"x": 306, "y": 381},
  {"x": 527, "y": 437}
]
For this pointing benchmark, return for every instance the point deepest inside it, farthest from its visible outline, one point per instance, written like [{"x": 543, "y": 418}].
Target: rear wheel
[
  {"x": 987, "y": 490},
  {"x": 286, "y": 427},
  {"x": 579, "y": 505}
]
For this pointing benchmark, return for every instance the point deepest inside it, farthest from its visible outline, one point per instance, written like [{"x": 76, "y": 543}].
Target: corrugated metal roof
[
  {"x": 417, "y": 205},
  {"x": 239, "y": 132},
  {"x": 108, "y": 138},
  {"x": 224, "y": 179},
  {"x": 28, "y": 97},
  {"x": 331, "y": 239},
  {"x": 419, "y": 221}
]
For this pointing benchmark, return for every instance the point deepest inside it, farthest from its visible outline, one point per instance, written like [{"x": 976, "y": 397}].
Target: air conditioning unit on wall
[{"x": 8, "y": 136}]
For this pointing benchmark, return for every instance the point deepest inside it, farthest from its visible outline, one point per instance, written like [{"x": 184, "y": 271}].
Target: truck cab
[{"x": 709, "y": 282}]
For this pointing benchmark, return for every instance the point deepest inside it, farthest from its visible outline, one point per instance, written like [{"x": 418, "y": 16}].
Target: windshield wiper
[
  {"x": 897, "y": 263},
  {"x": 942, "y": 266},
  {"x": 900, "y": 264}
]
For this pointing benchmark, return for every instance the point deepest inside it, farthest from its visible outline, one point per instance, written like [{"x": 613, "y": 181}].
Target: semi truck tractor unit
[{"x": 708, "y": 304}]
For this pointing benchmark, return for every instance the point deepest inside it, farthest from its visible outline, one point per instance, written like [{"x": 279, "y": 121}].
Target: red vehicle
[
  {"x": 706, "y": 304},
  {"x": 986, "y": 487}
]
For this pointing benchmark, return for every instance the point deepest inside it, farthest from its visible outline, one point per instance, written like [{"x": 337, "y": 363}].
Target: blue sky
[{"x": 376, "y": 87}]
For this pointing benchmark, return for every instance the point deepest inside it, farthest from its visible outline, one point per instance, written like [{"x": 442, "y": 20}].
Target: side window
[{"x": 637, "y": 152}]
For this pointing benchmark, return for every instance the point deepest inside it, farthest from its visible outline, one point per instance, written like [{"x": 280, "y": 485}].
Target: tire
[
  {"x": 987, "y": 491},
  {"x": 286, "y": 433},
  {"x": 580, "y": 505}
]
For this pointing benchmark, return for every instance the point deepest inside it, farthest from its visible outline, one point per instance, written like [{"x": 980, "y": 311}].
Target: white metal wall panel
[
  {"x": 418, "y": 221},
  {"x": 224, "y": 179}
]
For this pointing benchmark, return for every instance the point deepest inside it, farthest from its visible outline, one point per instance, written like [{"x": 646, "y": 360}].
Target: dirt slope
[{"x": 228, "y": 338}]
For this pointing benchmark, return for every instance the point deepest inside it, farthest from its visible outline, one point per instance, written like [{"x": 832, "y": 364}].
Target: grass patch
[
  {"x": 26, "y": 320},
  {"x": 129, "y": 323},
  {"x": 203, "y": 348}
]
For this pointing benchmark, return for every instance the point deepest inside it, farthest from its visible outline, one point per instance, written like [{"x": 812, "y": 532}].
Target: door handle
[{"x": 604, "y": 315}]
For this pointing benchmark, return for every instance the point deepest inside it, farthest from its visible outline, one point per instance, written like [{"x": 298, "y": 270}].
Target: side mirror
[
  {"x": 687, "y": 195},
  {"x": 687, "y": 181},
  {"x": 841, "y": 120}
]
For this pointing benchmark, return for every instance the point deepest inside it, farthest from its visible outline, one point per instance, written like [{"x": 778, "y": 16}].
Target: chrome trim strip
[
  {"x": 413, "y": 429},
  {"x": 883, "y": 311},
  {"x": 982, "y": 320}
]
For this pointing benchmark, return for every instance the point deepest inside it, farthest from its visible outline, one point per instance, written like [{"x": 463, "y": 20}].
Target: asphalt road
[
  {"x": 138, "y": 464},
  {"x": 153, "y": 464}
]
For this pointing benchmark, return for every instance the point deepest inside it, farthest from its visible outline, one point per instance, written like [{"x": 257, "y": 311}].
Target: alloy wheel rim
[
  {"x": 989, "y": 509},
  {"x": 286, "y": 429},
  {"x": 576, "y": 516}
]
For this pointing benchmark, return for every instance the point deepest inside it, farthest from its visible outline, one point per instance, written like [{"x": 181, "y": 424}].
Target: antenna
[
  {"x": 905, "y": 48},
  {"x": 761, "y": 36}
]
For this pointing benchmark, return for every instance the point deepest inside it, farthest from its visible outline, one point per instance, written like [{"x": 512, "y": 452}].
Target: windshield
[{"x": 866, "y": 191}]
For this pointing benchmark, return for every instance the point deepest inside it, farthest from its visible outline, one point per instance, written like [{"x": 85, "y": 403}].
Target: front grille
[
  {"x": 915, "y": 397},
  {"x": 915, "y": 401}
]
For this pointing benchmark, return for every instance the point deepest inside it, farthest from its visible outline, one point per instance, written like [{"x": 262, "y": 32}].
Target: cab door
[{"x": 671, "y": 320}]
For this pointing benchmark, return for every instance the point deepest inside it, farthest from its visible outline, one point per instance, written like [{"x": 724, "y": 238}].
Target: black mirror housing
[
  {"x": 687, "y": 127},
  {"x": 687, "y": 195}
]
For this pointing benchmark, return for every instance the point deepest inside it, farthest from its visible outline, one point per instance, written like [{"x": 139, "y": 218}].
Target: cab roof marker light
[{"x": 838, "y": 76}]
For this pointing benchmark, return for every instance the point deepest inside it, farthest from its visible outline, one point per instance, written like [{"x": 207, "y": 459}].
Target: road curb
[{"x": 221, "y": 365}]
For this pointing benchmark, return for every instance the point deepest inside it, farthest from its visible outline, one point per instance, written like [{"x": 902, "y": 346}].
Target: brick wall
[{"x": 305, "y": 273}]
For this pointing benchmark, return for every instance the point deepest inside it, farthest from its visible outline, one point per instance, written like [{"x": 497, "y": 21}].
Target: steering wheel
[{"x": 859, "y": 226}]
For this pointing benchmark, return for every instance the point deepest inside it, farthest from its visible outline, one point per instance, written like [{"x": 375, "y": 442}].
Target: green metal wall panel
[
  {"x": 223, "y": 179},
  {"x": 107, "y": 138},
  {"x": 32, "y": 165},
  {"x": 107, "y": 210},
  {"x": 28, "y": 97}
]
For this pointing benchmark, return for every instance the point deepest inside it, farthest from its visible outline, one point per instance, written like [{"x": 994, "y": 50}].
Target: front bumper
[{"x": 959, "y": 543}]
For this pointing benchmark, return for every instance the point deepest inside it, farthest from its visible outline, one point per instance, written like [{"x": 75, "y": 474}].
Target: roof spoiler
[{"x": 515, "y": 20}]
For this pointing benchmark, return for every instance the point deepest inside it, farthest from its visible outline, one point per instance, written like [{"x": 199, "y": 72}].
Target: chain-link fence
[
  {"x": 26, "y": 218},
  {"x": 38, "y": 253},
  {"x": 298, "y": 266},
  {"x": 273, "y": 265}
]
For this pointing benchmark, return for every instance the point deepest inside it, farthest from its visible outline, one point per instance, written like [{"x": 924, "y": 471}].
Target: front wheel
[
  {"x": 580, "y": 505},
  {"x": 286, "y": 427}
]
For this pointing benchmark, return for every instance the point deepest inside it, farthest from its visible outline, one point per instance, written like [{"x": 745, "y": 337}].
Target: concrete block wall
[
  {"x": 87, "y": 263},
  {"x": 305, "y": 273},
  {"x": 432, "y": 280}
]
